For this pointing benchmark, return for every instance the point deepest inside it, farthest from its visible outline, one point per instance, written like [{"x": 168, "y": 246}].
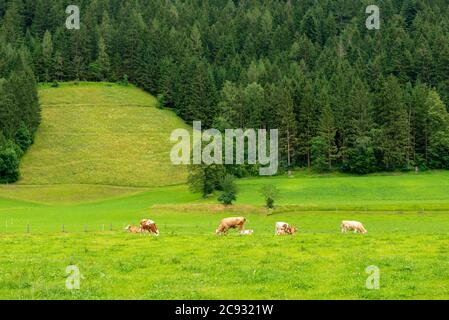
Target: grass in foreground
[{"x": 189, "y": 262}]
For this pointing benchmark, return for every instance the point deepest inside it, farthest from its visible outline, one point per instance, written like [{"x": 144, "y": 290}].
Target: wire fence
[{"x": 9, "y": 226}]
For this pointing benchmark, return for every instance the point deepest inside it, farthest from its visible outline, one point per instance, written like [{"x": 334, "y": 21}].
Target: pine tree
[
  {"x": 58, "y": 67},
  {"x": 47, "y": 56},
  {"x": 327, "y": 132},
  {"x": 286, "y": 123},
  {"x": 392, "y": 118},
  {"x": 307, "y": 123},
  {"x": 253, "y": 101},
  {"x": 103, "y": 61},
  {"x": 7, "y": 109},
  {"x": 12, "y": 24},
  {"x": 438, "y": 121}
]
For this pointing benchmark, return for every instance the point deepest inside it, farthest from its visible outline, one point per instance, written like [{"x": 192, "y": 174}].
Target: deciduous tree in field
[
  {"x": 270, "y": 194},
  {"x": 229, "y": 190}
]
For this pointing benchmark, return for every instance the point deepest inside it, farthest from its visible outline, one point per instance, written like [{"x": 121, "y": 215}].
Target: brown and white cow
[
  {"x": 352, "y": 226},
  {"x": 284, "y": 228},
  {"x": 231, "y": 223},
  {"x": 148, "y": 225},
  {"x": 133, "y": 229}
]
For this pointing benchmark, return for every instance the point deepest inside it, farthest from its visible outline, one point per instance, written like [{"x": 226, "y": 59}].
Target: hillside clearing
[{"x": 102, "y": 134}]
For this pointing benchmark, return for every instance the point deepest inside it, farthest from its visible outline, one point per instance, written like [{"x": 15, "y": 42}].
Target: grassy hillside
[{"x": 102, "y": 134}]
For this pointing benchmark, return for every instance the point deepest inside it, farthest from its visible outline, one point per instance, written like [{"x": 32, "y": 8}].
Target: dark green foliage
[
  {"x": 270, "y": 194},
  {"x": 161, "y": 101},
  {"x": 361, "y": 158},
  {"x": 9, "y": 164},
  {"x": 319, "y": 154},
  {"x": 124, "y": 81},
  {"x": 438, "y": 121},
  {"x": 228, "y": 190},
  {"x": 205, "y": 179},
  {"x": 19, "y": 108},
  {"x": 23, "y": 138}
]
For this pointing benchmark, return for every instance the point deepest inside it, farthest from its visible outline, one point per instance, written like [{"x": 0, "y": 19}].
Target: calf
[
  {"x": 246, "y": 232},
  {"x": 150, "y": 226},
  {"x": 133, "y": 229},
  {"x": 284, "y": 228},
  {"x": 352, "y": 226},
  {"x": 231, "y": 223}
]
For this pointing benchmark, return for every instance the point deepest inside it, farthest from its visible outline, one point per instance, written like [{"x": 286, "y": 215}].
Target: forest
[{"x": 343, "y": 97}]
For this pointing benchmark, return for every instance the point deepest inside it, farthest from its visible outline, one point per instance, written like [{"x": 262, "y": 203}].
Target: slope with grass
[{"x": 102, "y": 134}]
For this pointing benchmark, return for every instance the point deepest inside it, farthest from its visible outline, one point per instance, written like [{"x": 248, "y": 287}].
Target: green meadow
[{"x": 100, "y": 162}]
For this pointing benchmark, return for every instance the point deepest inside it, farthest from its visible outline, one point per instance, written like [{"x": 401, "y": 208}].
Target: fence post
[
  {"x": 110, "y": 227},
  {"x": 62, "y": 228},
  {"x": 28, "y": 228}
]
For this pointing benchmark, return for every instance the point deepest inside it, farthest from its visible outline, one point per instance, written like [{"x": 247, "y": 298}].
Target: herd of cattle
[{"x": 281, "y": 228}]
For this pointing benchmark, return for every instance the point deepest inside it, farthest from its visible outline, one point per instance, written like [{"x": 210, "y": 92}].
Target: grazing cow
[
  {"x": 284, "y": 228},
  {"x": 231, "y": 223},
  {"x": 133, "y": 229},
  {"x": 352, "y": 226},
  {"x": 150, "y": 226},
  {"x": 246, "y": 232}
]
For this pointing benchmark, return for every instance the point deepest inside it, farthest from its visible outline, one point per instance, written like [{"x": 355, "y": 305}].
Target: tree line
[
  {"x": 343, "y": 97},
  {"x": 19, "y": 106}
]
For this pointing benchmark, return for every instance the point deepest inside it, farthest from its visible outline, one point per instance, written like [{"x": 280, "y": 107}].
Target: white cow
[
  {"x": 352, "y": 226},
  {"x": 284, "y": 228}
]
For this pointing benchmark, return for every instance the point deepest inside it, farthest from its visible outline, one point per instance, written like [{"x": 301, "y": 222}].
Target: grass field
[
  {"x": 407, "y": 216},
  {"x": 188, "y": 262}
]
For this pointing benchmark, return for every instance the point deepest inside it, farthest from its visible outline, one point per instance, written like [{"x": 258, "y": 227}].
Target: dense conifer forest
[{"x": 343, "y": 97}]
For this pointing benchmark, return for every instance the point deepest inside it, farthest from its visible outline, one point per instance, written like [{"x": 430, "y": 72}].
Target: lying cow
[
  {"x": 231, "y": 223},
  {"x": 133, "y": 229},
  {"x": 352, "y": 226},
  {"x": 284, "y": 228},
  {"x": 149, "y": 226}
]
